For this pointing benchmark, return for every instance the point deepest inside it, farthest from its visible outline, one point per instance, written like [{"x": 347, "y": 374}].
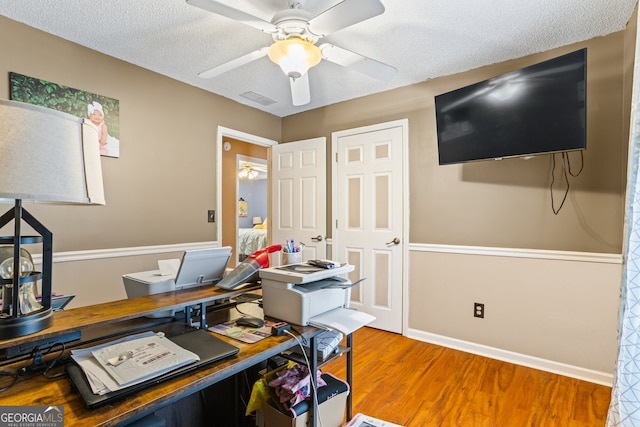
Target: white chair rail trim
[
  {"x": 519, "y": 253},
  {"x": 94, "y": 254}
]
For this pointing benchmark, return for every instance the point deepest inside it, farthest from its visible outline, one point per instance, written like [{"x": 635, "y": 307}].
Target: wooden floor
[{"x": 416, "y": 384}]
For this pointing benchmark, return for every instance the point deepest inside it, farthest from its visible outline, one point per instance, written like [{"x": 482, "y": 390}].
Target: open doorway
[
  {"x": 235, "y": 149},
  {"x": 253, "y": 205}
]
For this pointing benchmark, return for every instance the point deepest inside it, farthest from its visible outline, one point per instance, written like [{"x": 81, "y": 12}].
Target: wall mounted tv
[{"x": 535, "y": 110}]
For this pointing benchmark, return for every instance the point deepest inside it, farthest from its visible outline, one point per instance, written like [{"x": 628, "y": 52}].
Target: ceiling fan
[{"x": 295, "y": 33}]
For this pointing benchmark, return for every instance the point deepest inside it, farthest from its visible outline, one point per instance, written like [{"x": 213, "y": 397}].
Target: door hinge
[
  {"x": 336, "y": 224},
  {"x": 336, "y": 157}
]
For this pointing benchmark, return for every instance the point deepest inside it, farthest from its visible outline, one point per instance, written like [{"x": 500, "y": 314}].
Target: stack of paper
[
  {"x": 327, "y": 342},
  {"x": 130, "y": 360}
]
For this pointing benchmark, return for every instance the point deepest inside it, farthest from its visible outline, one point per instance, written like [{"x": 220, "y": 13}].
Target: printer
[
  {"x": 304, "y": 294},
  {"x": 198, "y": 267}
]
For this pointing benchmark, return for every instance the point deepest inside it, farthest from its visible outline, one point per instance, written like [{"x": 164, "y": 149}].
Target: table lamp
[
  {"x": 50, "y": 157},
  {"x": 257, "y": 220}
]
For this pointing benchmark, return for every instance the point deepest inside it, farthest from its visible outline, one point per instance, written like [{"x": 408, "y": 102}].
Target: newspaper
[{"x": 130, "y": 361}]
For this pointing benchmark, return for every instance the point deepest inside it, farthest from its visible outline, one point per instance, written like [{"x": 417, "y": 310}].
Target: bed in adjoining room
[{"x": 250, "y": 240}]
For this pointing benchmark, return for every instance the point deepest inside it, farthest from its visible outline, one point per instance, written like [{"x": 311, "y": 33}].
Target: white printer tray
[{"x": 345, "y": 320}]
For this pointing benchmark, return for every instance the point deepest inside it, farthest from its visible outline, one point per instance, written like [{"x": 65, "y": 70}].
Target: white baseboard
[{"x": 596, "y": 377}]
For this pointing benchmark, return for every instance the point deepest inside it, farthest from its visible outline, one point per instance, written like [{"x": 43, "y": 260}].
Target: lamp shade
[
  {"x": 48, "y": 156},
  {"x": 257, "y": 220},
  {"x": 295, "y": 56}
]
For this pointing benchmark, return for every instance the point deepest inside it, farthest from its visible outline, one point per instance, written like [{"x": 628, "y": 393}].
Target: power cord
[
  {"x": 566, "y": 170},
  {"x": 38, "y": 364},
  {"x": 247, "y": 302},
  {"x": 300, "y": 336},
  {"x": 312, "y": 379},
  {"x": 13, "y": 378},
  {"x": 54, "y": 362},
  {"x": 566, "y": 155}
]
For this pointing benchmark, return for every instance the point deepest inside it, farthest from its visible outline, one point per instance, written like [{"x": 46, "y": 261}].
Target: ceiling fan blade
[
  {"x": 355, "y": 61},
  {"x": 343, "y": 15},
  {"x": 234, "y": 63},
  {"x": 300, "y": 93},
  {"x": 230, "y": 12}
]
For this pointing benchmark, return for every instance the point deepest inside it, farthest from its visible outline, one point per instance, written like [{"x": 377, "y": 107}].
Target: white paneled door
[
  {"x": 298, "y": 196},
  {"x": 369, "y": 199}
]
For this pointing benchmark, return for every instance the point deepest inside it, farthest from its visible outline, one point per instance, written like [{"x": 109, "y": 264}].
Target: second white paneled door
[
  {"x": 299, "y": 196},
  {"x": 369, "y": 201}
]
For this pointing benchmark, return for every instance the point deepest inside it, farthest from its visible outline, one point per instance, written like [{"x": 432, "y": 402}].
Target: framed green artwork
[{"x": 102, "y": 111}]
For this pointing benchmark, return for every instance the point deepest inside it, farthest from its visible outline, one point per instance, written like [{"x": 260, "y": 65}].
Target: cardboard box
[{"x": 331, "y": 413}]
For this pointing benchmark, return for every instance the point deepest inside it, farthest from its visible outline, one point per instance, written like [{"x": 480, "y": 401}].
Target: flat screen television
[{"x": 537, "y": 109}]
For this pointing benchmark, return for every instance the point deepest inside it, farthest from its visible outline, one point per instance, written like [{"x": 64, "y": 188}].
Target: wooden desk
[
  {"x": 39, "y": 391},
  {"x": 106, "y": 314}
]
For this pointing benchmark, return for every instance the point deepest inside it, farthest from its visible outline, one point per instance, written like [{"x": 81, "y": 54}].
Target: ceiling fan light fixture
[
  {"x": 295, "y": 56},
  {"x": 247, "y": 172}
]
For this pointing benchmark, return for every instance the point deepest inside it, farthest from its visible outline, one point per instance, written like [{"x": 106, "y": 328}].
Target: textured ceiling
[{"x": 423, "y": 39}]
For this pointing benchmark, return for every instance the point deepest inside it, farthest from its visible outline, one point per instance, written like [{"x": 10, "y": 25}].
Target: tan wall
[
  {"x": 505, "y": 203},
  {"x": 557, "y": 309},
  {"x": 159, "y": 190}
]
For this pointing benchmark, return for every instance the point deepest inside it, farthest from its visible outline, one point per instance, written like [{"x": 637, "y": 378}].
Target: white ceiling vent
[{"x": 256, "y": 97}]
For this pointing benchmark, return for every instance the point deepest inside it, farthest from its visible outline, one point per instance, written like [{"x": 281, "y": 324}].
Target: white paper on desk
[
  {"x": 99, "y": 380},
  {"x": 168, "y": 266},
  {"x": 148, "y": 357},
  {"x": 344, "y": 320}
]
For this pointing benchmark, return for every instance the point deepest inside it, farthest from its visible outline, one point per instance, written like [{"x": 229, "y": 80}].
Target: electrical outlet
[
  {"x": 211, "y": 216},
  {"x": 478, "y": 310}
]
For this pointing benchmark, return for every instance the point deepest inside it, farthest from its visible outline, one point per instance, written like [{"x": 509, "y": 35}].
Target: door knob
[
  {"x": 318, "y": 238},
  {"x": 395, "y": 241}
]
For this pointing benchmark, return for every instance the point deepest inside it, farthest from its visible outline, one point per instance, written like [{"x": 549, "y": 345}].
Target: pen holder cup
[{"x": 291, "y": 258}]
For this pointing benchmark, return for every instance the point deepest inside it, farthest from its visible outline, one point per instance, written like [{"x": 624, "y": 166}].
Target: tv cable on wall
[{"x": 566, "y": 171}]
